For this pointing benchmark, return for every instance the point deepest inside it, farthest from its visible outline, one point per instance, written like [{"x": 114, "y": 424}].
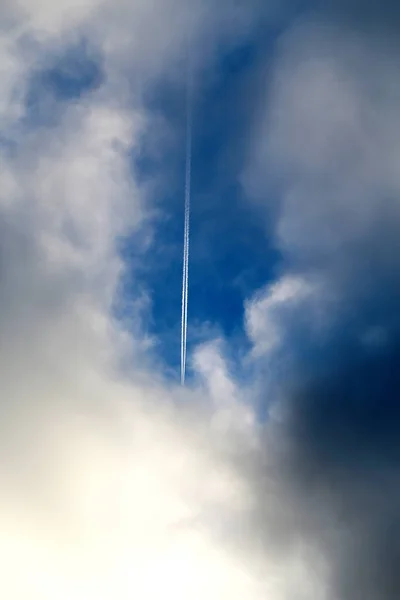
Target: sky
[{"x": 274, "y": 472}]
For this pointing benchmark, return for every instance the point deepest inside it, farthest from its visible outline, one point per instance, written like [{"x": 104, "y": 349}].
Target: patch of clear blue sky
[
  {"x": 231, "y": 249},
  {"x": 230, "y": 254}
]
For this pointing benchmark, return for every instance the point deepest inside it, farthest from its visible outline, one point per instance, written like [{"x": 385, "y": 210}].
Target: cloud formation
[
  {"x": 328, "y": 147},
  {"x": 113, "y": 483},
  {"x": 116, "y": 483},
  {"x": 101, "y": 480}
]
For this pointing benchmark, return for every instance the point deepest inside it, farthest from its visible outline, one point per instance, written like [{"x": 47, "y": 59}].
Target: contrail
[{"x": 188, "y": 173}]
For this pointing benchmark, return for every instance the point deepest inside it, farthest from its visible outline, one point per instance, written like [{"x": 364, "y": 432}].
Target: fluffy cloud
[
  {"x": 326, "y": 151},
  {"x": 112, "y": 484},
  {"x": 264, "y": 313}
]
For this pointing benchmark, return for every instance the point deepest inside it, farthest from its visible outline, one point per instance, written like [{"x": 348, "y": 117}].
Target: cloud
[
  {"x": 324, "y": 166},
  {"x": 112, "y": 484},
  {"x": 328, "y": 146},
  {"x": 264, "y": 313},
  {"x": 116, "y": 483}
]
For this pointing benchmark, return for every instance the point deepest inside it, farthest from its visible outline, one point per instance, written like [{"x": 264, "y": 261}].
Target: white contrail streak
[{"x": 185, "y": 273}]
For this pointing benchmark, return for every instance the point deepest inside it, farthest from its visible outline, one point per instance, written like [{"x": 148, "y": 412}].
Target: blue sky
[{"x": 231, "y": 252}]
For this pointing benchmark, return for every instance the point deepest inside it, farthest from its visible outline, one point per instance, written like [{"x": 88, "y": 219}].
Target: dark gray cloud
[
  {"x": 343, "y": 432},
  {"x": 329, "y": 145}
]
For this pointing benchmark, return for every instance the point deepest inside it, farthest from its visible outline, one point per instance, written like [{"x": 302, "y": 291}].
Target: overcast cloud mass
[{"x": 275, "y": 472}]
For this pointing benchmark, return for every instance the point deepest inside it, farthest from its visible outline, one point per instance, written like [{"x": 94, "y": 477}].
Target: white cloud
[
  {"x": 108, "y": 490},
  {"x": 329, "y": 137},
  {"x": 230, "y": 414},
  {"x": 281, "y": 306},
  {"x": 324, "y": 160},
  {"x": 99, "y": 476}
]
